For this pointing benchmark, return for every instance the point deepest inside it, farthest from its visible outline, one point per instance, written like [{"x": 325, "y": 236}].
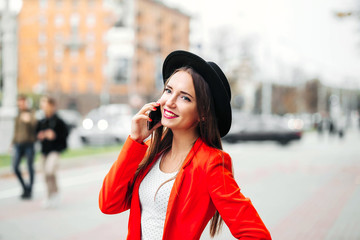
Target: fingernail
[
  {"x": 150, "y": 120},
  {"x": 154, "y": 108}
]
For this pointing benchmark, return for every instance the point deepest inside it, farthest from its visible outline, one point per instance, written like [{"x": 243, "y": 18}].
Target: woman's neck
[
  {"x": 182, "y": 143},
  {"x": 181, "y": 146}
]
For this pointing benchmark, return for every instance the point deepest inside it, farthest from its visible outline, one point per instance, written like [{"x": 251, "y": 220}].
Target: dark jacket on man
[{"x": 55, "y": 123}]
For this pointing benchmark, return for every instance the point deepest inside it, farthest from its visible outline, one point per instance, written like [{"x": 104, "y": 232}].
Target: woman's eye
[
  {"x": 186, "y": 98},
  {"x": 167, "y": 90}
]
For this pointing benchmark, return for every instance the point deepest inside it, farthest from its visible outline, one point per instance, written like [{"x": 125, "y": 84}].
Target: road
[{"x": 307, "y": 190}]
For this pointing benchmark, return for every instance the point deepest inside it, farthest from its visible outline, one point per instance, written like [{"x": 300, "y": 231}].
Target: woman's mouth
[{"x": 169, "y": 114}]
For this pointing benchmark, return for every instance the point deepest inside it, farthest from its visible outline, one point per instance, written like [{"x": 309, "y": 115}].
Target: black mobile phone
[{"x": 155, "y": 116}]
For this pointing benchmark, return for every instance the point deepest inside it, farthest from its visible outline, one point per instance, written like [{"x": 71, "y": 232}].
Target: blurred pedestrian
[
  {"x": 178, "y": 181},
  {"x": 332, "y": 129},
  {"x": 52, "y": 133},
  {"x": 23, "y": 144},
  {"x": 320, "y": 127}
]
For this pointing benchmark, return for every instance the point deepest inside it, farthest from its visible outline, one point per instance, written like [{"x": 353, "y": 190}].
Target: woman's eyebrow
[
  {"x": 186, "y": 94},
  {"x": 182, "y": 92}
]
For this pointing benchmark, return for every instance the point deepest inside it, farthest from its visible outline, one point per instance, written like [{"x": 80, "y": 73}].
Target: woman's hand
[{"x": 139, "y": 131}]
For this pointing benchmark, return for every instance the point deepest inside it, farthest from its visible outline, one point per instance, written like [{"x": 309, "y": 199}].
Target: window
[
  {"x": 90, "y": 52},
  {"x": 42, "y": 69},
  {"x": 90, "y": 20},
  {"x": 91, "y": 3},
  {"x": 58, "y": 68},
  {"x": 74, "y": 69},
  {"x": 58, "y": 37},
  {"x": 90, "y": 69},
  {"x": 158, "y": 74},
  {"x": 121, "y": 70},
  {"x": 58, "y": 53},
  {"x": 75, "y": 3},
  {"x": 75, "y": 20},
  {"x": 74, "y": 86},
  {"x": 42, "y": 20},
  {"x": 90, "y": 85},
  {"x": 59, "y": 20},
  {"x": 90, "y": 37},
  {"x": 43, "y": 3},
  {"x": 59, "y": 3},
  {"x": 74, "y": 52},
  {"x": 42, "y": 38},
  {"x": 42, "y": 53}
]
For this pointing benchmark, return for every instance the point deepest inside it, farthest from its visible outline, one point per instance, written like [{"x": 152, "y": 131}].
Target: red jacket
[{"x": 204, "y": 184}]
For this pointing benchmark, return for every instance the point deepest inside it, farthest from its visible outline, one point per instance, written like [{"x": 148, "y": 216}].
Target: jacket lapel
[{"x": 178, "y": 181}]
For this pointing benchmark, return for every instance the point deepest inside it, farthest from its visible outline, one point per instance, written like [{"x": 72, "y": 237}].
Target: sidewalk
[{"x": 307, "y": 190}]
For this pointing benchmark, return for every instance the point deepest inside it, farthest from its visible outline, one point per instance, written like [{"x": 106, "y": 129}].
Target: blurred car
[
  {"x": 106, "y": 124},
  {"x": 262, "y": 128},
  {"x": 71, "y": 117}
]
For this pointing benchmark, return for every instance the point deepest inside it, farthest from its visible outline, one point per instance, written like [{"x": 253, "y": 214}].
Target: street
[{"x": 307, "y": 190}]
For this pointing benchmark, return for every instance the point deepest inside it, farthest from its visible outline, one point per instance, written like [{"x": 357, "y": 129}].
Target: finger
[
  {"x": 155, "y": 104},
  {"x": 142, "y": 117},
  {"x": 145, "y": 109},
  {"x": 150, "y": 110},
  {"x": 149, "y": 107}
]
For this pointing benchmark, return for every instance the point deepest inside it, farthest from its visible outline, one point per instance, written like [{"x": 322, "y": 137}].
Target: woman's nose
[{"x": 171, "y": 101}]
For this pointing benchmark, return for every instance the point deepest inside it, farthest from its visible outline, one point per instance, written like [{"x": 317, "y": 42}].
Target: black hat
[{"x": 216, "y": 79}]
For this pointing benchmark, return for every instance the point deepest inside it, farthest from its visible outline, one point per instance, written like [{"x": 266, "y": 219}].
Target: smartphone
[{"x": 155, "y": 116}]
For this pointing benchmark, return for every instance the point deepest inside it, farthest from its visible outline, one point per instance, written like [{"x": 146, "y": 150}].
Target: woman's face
[{"x": 178, "y": 103}]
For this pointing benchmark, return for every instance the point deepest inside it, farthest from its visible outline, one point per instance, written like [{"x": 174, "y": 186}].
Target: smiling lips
[{"x": 169, "y": 114}]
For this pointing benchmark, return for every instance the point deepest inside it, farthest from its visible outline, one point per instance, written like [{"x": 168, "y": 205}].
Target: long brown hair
[{"x": 161, "y": 139}]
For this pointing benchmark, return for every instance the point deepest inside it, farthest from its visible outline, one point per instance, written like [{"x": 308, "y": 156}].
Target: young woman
[{"x": 178, "y": 181}]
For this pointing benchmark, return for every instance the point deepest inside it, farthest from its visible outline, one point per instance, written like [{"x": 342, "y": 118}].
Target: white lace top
[{"x": 153, "y": 208}]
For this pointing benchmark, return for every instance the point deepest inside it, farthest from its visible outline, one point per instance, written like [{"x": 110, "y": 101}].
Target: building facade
[
  {"x": 65, "y": 49},
  {"x": 158, "y": 31}
]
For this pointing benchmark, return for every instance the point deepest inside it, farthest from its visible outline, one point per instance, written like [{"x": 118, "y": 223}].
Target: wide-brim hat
[{"x": 215, "y": 78}]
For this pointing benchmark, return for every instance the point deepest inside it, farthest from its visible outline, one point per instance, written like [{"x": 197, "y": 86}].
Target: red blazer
[{"x": 205, "y": 183}]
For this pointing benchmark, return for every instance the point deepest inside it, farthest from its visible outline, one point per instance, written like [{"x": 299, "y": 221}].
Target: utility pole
[
  {"x": 8, "y": 109},
  {"x": 9, "y": 56}
]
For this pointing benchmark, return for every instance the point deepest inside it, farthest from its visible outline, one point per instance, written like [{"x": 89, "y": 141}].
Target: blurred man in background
[
  {"x": 52, "y": 133},
  {"x": 23, "y": 144}
]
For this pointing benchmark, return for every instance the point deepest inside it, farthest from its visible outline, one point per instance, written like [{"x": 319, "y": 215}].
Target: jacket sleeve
[
  {"x": 115, "y": 185},
  {"x": 237, "y": 211}
]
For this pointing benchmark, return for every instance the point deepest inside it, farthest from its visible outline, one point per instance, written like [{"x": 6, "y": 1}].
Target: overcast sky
[{"x": 302, "y": 33}]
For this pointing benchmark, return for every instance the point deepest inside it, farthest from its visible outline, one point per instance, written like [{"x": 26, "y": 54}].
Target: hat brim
[{"x": 220, "y": 94}]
